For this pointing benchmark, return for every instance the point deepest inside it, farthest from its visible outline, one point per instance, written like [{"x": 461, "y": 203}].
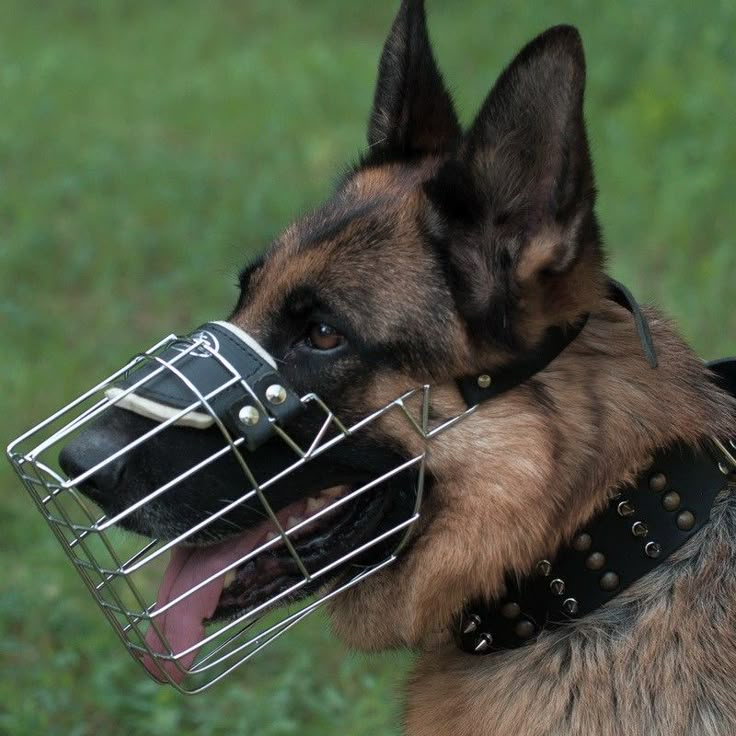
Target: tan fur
[{"x": 516, "y": 479}]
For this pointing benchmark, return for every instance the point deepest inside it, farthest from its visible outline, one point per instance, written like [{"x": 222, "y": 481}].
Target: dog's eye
[{"x": 322, "y": 336}]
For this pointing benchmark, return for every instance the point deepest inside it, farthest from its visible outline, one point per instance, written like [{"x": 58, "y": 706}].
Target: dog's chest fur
[{"x": 660, "y": 660}]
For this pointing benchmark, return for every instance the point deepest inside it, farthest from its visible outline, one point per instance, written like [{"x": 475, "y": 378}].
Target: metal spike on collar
[
  {"x": 471, "y": 623},
  {"x": 483, "y": 644}
]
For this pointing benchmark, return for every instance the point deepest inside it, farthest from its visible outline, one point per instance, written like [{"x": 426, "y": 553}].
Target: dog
[{"x": 446, "y": 253}]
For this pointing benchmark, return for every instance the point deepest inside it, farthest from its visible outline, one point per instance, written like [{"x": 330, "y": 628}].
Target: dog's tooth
[
  {"x": 315, "y": 504},
  {"x": 271, "y": 535},
  {"x": 332, "y": 492},
  {"x": 229, "y": 578},
  {"x": 293, "y": 521}
]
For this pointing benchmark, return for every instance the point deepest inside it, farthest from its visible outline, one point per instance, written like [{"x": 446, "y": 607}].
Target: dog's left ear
[
  {"x": 412, "y": 111},
  {"x": 519, "y": 195}
]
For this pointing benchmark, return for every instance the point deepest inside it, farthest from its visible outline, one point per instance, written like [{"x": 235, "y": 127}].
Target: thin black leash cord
[{"x": 624, "y": 298}]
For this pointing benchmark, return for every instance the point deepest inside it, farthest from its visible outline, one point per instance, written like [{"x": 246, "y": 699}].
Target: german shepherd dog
[{"x": 445, "y": 253}]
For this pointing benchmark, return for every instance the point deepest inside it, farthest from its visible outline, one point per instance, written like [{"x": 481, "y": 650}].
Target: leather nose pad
[{"x": 86, "y": 451}]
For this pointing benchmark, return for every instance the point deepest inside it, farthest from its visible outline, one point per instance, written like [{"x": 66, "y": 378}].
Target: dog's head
[{"x": 443, "y": 253}]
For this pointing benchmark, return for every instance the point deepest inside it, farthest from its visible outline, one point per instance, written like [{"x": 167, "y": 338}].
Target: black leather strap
[
  {"x": 640, "y": 528},
  {"x": 486, "y": 385},
  {"x": 204, "y": 369}
]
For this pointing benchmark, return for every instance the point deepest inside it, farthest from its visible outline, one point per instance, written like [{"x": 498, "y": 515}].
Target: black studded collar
[{"x": 641, "y": 526}]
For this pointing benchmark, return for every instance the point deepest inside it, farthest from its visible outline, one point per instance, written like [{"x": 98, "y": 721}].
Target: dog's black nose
[{"x": 85, "y": 452}]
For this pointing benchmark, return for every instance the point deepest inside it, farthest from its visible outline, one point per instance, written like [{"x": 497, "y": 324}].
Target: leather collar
[
  {"x": 476, "y": 389},
  {"x": 640, "y": 527}
]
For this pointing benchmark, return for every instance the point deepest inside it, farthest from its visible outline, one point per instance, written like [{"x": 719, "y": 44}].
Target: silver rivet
[
  {"x": 653, "y": 550},
  {"x": 625, "y": 508},
  {"x": 510, "y": 610},
  {"x": 639, "y": 529},
  {"x": 671, "y": 501},
  {"x": 557, "y": 586},
  {"x": 685, "y": 521},
  {"x": 582, "y": 543},
  {"x": 723, "y": 468},
  {"x": 484, "y": 380},
  {"x": 609, "y": 581},
  {"x": 249, "y": 415},
  {"x": 596, "y": 561},
  {"x": 471, "y": 623},
  {"x": 276, "y": 394},
  {"x": 570, "y": 606},
  {"x": 544, "y": 568},
  {"x": 524, "y": 629},
  {"x": 483, "y": 644},
  {"x": 658, "y": 482}
]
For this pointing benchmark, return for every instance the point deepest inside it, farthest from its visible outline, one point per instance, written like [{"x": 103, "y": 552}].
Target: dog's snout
[{"x": 85, "y": 452}]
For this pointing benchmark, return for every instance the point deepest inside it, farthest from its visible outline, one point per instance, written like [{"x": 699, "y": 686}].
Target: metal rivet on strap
[
  {"x": 685, "y": 521},
  {"x": 582, "y": 543},
  {"x": 276, "y": 394},
  {"x": 524, "y": 629},
  {"x": 557, "y": 586},
  {"x": 653, "y": 550},
  {"x": 511, "y": 610},
  {"x": 544, "y": 568},
  {"x": 249, "y": 415},
  {"x": 484, "y": 380},
  {"x": 658, "y": 482},
  {"x": 639, "y": 529},
  {"x": 483, "y": 644},
  {"x": 570, "y": 606},
  {"x": 625, "y": 508},
  {"x": 471, "y": 623},
  {"x": 609, "y": 581},
  {"x": 671, "y": 501},
  {"x": 596, "y": 561}
]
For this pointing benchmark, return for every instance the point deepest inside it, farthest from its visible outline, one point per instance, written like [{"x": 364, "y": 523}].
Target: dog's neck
[
  {"x": 642, "y": 525},
  {"x": 659, "y": 660}
]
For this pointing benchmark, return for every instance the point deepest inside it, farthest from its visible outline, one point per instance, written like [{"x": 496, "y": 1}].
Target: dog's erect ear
[
  {"x": 412, "y": 110},
  {"x": 521, "y": 188}
]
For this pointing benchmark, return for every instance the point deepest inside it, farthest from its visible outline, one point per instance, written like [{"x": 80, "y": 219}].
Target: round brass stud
[
  {"x": 596, "y": 561},
  {"x": 249, "y": 415},
  {"x": 582, "y": 543},
  {"x": 625, "y": 508},
  {"x": 570, "y": 606},
  {"x": 524, "y": 629},
  {"x": 557, "y": 586},
  {"x": 653, "y": 550},
  {"x": 511, "y": 610},
  {"x": 639, "y": 529},
  {"x": 658, "y": 482},
  {"x": 544, "y": 568},
  {"x": 685, "y": 521},
  {"x": 484, "y": 380},
  {"x": 671, "y": 501},
  {"x": 609, "y": 581}
]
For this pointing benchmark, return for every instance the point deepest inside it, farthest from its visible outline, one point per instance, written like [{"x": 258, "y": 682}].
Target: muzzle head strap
[{"x": 221, "y": 373}]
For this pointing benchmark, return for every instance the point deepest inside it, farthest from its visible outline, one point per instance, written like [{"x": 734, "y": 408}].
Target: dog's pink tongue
[{"x": 182, "y": 624}]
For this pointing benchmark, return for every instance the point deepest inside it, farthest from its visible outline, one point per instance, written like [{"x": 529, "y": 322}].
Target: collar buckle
[{"x": 726, "y": 457}]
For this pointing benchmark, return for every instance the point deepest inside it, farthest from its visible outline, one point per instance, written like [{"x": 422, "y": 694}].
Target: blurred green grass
[{"x": 148, "y": 149}]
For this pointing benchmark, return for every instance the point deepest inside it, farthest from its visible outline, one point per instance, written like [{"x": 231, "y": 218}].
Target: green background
[{"x": 148, "y": 149}]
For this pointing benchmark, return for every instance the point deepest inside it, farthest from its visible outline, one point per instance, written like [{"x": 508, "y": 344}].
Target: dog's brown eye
[{"x": 324, "y": 337}]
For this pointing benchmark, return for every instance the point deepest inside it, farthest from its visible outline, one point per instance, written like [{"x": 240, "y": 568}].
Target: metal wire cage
[{"x": 122, "y": 571}]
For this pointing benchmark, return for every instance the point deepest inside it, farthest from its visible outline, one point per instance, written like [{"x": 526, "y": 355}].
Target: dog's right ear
[{"x": 413, "y": 113}]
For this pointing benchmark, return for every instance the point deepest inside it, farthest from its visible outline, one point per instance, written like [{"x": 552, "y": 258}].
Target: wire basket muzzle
[{"x": 249, "y": 496}]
